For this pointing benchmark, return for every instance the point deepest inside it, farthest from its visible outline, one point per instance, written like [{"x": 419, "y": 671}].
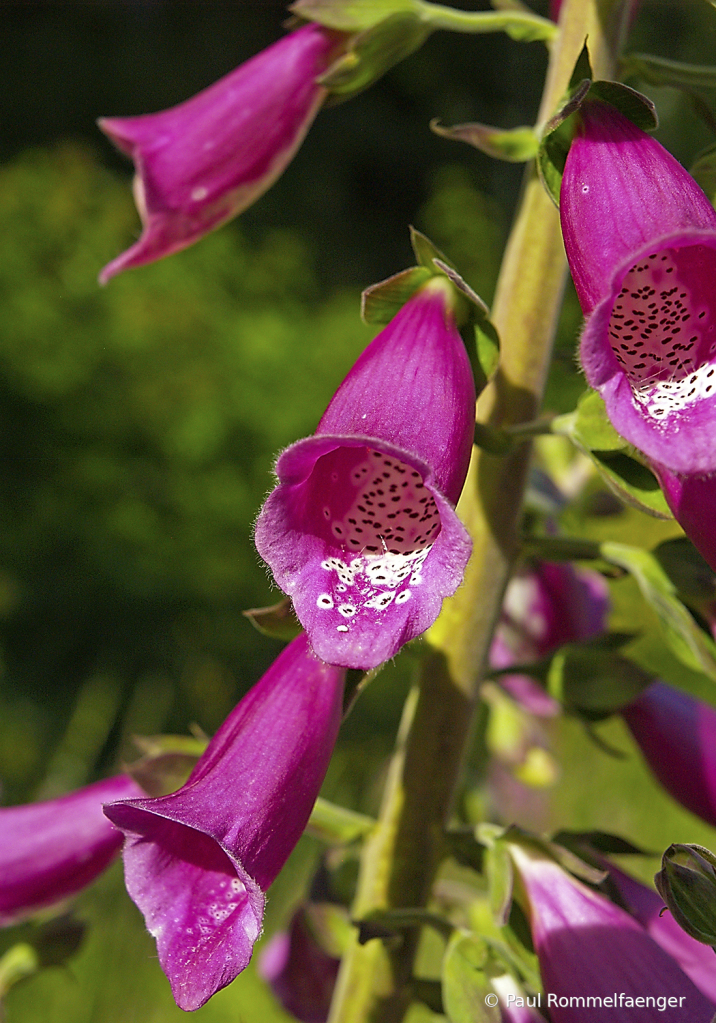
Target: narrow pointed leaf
[{"x": 516, "y": 145}]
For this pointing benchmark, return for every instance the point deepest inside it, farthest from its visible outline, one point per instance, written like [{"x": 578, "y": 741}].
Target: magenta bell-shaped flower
[
  {"x": 694, "y": 958},
  {"x": 361, "y": 531},
  {"x": 53, "y": 849},
  {"x": 640, "y": 237},
  {"x": 595, "y": 959},
  {"x": 204, "y": 161},
  {"x": 301, "y": 974},
  {"x": 692, "y": 500},
  {"x": 677, "y": 735},
  {"x": 545, "y": 606},
  {"x": 197, "y": 862}
]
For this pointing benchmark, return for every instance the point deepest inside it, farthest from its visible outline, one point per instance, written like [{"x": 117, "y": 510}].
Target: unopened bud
[{"x": 687, "y": 884}]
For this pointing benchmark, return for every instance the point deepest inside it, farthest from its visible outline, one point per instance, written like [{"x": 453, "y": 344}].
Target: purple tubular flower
[
  {"x": 545, "y": 607},
  {"x": 677, "y": 735},
  {"x": 596, "y": 960},
  {"x": 204, "y": 161},
  {"x": 692, "y": 500},
  {"x": 53, "y": 849},
  {"x": 695, "y": 959},
  {"x": 197, "y": 862},
  {"x": 361, "y": 531},
  {"x": 640, "y": 237},
  {"x": 301, "y": 973}
]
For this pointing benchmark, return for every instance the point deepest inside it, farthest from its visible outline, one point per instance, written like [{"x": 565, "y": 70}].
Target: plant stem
[
  {"x": 520, "y": 25},
  {"x": 402, "y": 855}
]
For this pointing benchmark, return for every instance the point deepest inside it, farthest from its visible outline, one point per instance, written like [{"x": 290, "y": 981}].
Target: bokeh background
[{"x": 139, "y": 422}]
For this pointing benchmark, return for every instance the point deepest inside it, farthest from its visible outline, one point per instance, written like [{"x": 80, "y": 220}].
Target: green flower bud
[{"x": 687, "y": 884}]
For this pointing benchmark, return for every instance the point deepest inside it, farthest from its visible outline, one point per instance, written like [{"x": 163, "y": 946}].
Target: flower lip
[
  {"x": 351, "y": 559},
  {"x": 649, "y": 348}
]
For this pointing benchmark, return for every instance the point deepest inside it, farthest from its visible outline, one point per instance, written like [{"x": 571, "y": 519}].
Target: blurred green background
[{"x": 139, "y": 422}]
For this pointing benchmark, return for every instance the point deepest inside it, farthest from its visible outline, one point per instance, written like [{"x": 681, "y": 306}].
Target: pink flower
[
  {"x": 640, "y": 237},
  {"x": 545, "y": 607},
  {"x": 52, "y": 850},
  {"x": 301, "y": 973},
  {"x": 198, "y": 862},
  {"x": 692, "y": 500},
  {"x": 361, "y": 531},
  {"x": 597, "y": 962},
  {"x": 204, "y": 161},
  {"x": 677, "y": 735}
]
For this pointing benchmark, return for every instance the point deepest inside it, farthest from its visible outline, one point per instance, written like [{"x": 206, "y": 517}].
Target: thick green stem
[{"x": 399, "y": 862}]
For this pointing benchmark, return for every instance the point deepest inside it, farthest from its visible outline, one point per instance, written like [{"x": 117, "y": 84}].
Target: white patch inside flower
[
  {"x": 390, "y": 522},
  {"x": 664, "y": 343}
]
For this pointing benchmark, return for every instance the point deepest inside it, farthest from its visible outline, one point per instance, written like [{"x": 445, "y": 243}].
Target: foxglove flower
[
  {"x": 640, "y": 237},
  {"x": 197, "y": 862},
  {"x": 361, "y": 531},
  {"x": 301, "y": 973},
  {"x": 545, "y": 606},
  {"x": 677, "y": 735},
  {"x": 53, "y": 849},
  {"x": 595, "y": 959},
  {"x": 695, "y": 959},
  {"x": 692, "y": 500},
  {"x": 204, "y": 161}
]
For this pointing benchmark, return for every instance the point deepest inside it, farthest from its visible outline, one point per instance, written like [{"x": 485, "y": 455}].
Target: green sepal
[
  {"x": 703, "y": 172},
  {"x": 166, "y": 761},
  {"x": 277, "y": 621},
  {"x": 465, "y": 981},
  {"x": 582, "y": 842},
  {"x": 351, "y": 15},
  {"x": 514, "y": 145},
  {"x": 617, "y": 462},
  {"x": 335, "y": 825},
  {"x": 500, "y": 881},
  {"x": 380, "y": 302},
  {"x": 687, "y": 884},
  {"x": 686, "y": 639},
  {"x": 374, "y": 51},
  {"x": 558, "y": 132}
]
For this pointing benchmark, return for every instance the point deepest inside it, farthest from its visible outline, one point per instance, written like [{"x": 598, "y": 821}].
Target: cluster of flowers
[{"x": 362, "y": 533}]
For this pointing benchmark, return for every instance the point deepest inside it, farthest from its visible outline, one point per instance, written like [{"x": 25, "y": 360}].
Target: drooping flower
[
  {"x": 695, "y": 959},
  {"x": 361, "y": 531},
  {"x": 640, "y": 237},
  {"x": 198, "y": 862},
  {"x": 545, "y": 606},
  {"x": 53, "y": 849},
  {"x": 677, "y": 735},
  {"x": 692, "y": 500},
  {"x": 595, "y": 959},
  {"x": 302, "y": 975},
  {"x": 204, "y": 161}
]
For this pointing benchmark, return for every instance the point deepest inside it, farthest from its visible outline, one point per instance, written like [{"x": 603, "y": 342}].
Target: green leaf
[
  {"x": 600, "y": 841},
  {"x": 351, "y": 15},
  {"x": 335, "y": 825},
  {"x": 592, "y": 680},
  {"x": 684, "y": 636},
  {"x": 277, "y": 621},
  {"x": 635, "y": 105},
  {"x": 425, "y": 252},
  {"x": 661, "y": 71},
  {"x": 694, "y": 579},
  {"x": 589, "y": 429},
  {"x": 516, "y": 145},
  {"x": 373, "y": 52},
  {"x": 465, "y": 983},
  {"x": 380, "y": 302}
]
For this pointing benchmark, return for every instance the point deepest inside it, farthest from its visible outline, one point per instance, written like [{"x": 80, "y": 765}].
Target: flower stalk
[{"x": 400, "y": 861}]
